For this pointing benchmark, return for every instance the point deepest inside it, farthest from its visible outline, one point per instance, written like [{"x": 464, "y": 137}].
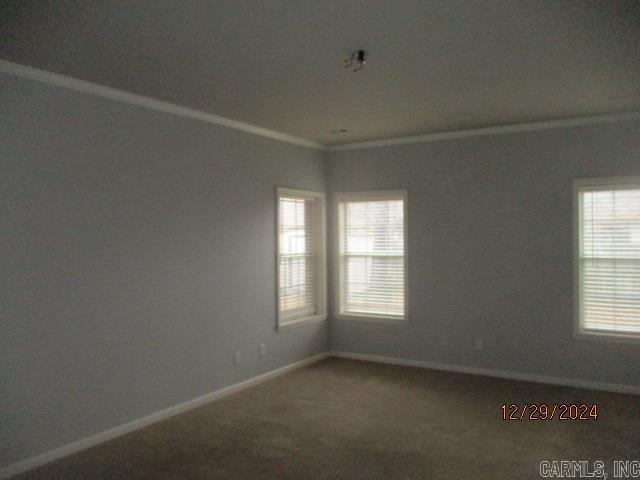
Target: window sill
[
  {"x": 371, "y": 319},
  {"x": 607, "y": 337},
  {"x": 300, "y": 322}
]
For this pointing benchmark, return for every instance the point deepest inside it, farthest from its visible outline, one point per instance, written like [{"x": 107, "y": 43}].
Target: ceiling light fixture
[{"x": 356, "y": 61}]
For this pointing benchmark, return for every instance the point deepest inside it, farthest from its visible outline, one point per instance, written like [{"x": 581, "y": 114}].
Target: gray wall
[
  {"x": 137, "y": 253},
  {"x": 490, "y": 249}
]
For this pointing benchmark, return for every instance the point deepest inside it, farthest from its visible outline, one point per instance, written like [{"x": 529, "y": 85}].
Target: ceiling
[{"x": 433, "y": 66}]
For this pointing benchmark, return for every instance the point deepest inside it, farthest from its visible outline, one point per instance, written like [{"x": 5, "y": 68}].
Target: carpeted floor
[{"x": 344, "y": 419}]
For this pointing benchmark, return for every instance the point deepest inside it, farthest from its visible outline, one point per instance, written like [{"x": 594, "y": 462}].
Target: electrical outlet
[
  {"x": 479, "y": 344},
  {"x": 237, "y": 356},
  {"x": 263, "y": 349}
]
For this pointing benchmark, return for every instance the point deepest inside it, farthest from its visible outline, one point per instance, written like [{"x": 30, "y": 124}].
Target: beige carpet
[{"x": 343, "y": 419}]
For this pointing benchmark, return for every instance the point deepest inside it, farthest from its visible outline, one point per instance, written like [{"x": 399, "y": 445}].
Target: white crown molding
[
  {"x": 489, "y": 372},
  {"x": 51, "y": 78},
  {"x": 498, "y": 130},
  {"x": 123, "y": 429}
]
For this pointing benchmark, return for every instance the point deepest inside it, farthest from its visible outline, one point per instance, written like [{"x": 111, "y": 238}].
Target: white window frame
[
  {"x": 587, "y": 185},
  {"x": 378, "y": 195},
  {"x": 319, "y": 234}
]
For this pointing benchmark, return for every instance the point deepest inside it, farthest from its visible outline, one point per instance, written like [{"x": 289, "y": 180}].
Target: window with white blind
[
  {"x": 608, "y": 257},
  {"x": 372, "y": 255},
  {"x": 301, "y": 257}
]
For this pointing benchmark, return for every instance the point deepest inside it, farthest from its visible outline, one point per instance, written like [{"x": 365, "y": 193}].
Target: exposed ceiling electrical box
[{"x": 356, "y": 61}]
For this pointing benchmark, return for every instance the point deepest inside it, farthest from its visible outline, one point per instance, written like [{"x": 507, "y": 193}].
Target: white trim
[
  {"x": 302, "y": 322},
  {"x": 123, "y": 429},
  {"x": 51, "y": 78},
  {"x": 372, "y": 318},
  {"x": 577, "y": 221},
  {"x": 604, "y": 336},
  {"x": 320, "y": 239},
  {"x": 497, "y": 130},
  {"x": 593, "y": 184},
  {"x": 338, "y": 198},
  {"x": 608, "y": 183},
  {"x": 489, "y": 372}
]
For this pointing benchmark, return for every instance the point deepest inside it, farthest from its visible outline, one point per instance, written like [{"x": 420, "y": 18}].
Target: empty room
[{"x": 318, "y": 239}]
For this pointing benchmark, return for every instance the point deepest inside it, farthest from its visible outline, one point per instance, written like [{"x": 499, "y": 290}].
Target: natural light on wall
[
  {"x": 301, "y": 258},
  {"x": 609, "y": 256},
  {"x": 372, "y": 263}
]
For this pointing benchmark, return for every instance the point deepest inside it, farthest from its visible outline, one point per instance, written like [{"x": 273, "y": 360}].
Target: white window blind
[
  {"x": 609, "y": 258},
  {"x": 300, "y": 255},
  {"x": 372, "y": 259}
]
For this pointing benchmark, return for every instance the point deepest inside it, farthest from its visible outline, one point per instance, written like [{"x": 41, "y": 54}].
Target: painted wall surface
[
  {"x": 137, "y": 254},
  {"x": 490, "y": 249}
]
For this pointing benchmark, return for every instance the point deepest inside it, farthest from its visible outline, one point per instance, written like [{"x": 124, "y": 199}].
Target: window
[
  {"x": 372, "y": 263},
  {"x": 608, "y": 257},
  {"x": 301, "y": 257}
]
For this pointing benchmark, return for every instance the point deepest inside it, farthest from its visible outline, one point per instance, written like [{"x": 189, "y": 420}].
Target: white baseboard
[
  {"x": 87, "y": 442},
  {"x": 488, "y": 372},
  {"x": 123, "y": 429}
]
